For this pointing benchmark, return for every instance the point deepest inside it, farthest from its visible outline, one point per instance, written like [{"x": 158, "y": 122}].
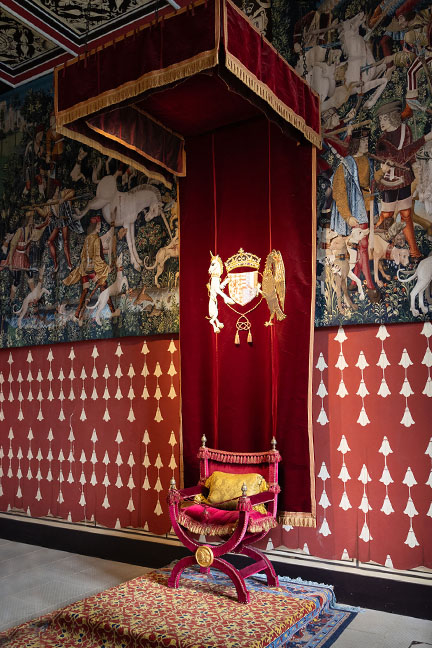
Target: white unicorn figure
[
  {"x": 362, "y": 68},
  {"x": 215, "y": 288},
  {"x": 125, "y": 207}
]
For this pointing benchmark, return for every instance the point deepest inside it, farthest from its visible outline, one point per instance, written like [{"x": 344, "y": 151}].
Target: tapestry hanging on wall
[
  {"x": 371, "y": 64},
  {"x": 89, "y": 244}
]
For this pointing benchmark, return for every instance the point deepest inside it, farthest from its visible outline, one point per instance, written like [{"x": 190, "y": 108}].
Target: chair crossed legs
[{"x": 238, "y": 520}]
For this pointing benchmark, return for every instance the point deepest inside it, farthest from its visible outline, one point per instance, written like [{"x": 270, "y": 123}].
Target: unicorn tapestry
[{"x": 89, "y": 245}]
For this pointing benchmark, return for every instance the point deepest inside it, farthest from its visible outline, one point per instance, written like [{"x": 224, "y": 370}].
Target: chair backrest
[{"x": 264, "y": 463}]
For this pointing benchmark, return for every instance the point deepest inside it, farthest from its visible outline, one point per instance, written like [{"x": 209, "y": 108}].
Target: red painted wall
[
  {"x": 372, "y": 413},
  {"x": 91, "y": 431},
  {"x": 61, "y": 454}
]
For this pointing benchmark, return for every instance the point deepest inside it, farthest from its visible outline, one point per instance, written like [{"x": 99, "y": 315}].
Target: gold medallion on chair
[
  {"x": 244, "y": 287},
  {"x": 204, "y": 556}
]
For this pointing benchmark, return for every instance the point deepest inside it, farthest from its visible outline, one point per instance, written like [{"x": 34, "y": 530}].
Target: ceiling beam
[
  {"x": 15, "y": 80},
  {"x": 40, "y": 26}
]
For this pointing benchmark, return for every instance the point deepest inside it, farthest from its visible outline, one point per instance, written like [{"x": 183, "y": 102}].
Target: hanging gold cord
[{"x": 240, "y": 316}]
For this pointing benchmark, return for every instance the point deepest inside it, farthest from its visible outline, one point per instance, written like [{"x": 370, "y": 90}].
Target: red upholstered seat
[
  {"x": 219, "y": 507},
  {"x": 211, "y": 521}
]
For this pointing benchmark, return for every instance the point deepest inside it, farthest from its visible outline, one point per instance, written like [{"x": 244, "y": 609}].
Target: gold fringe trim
[
  {"x": 297, "y": 519},
  {"x": 312, "y": 335},
  {"x": 212, "y": 530},
  {"x": 294, "y": 72},
  {"x": 226, "y": 456},
  {"x": 270, "y": 45},
  {"x": 154, "y": 79},
  {"x": 263, "y": 91},
  {"x": 63, "y": 130}
]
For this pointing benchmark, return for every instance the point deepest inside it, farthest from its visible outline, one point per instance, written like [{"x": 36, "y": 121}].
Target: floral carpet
[{"x": 202, "y": 613}]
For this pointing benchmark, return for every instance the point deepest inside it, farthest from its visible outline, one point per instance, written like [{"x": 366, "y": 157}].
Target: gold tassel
[
  {"x": 249, "y": 337},
  {"x": 237, "y": 338}
]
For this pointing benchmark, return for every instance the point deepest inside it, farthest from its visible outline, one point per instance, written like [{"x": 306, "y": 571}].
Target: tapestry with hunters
[
  {"x": 89, "y": 245},
  {"x": 371, "y": 64}
]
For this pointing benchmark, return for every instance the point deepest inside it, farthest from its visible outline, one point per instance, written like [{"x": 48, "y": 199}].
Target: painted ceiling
[{"x": 37, "y": 35}]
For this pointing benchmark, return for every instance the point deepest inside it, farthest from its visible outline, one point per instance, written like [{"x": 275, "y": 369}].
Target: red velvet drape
[{"x": 248, "y": 186}]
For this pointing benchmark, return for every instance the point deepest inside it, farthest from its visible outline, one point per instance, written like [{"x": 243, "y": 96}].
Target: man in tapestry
[
  {"x": 19, "y": 254},
  {"x": 54, "y": 144},
  {"x": 92, "y": 267},
  {"x": 352, "y": 202},
  {"x": 61, "y": 220},
  {"x": 396, "y": 147}
]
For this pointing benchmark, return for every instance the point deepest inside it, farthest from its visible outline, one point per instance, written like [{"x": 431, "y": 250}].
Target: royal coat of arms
[{"x": 244, "y": 288}]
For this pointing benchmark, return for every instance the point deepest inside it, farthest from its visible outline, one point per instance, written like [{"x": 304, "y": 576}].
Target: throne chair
[{"x": 234, "y": 503}]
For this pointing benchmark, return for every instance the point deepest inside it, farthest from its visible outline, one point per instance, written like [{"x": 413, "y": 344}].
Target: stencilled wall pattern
[
  {"x": 90, "y": 432},
  {"x": 372, "y": 400}
]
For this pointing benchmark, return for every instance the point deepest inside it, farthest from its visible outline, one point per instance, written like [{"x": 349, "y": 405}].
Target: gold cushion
[{"x": 226, "y": 488}]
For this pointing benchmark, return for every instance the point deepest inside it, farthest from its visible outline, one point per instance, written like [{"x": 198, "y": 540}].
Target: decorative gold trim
[
  {"x": 211, "y": 530},
  {"x": 181, "y": 445},
  {"x": 226, "y": 456},
  {"x": 261, "y": 89},
  {"x": 153, "y": 79},
  {"x": 271, "y": 46},
  {"x": 297, "y": 519},
  {"x": 131, "y": 89},
  {"x": 79, "y": 137},
  {"x": 312, "y": 333}
]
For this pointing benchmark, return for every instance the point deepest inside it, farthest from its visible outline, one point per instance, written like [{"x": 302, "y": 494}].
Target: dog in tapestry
[{"x": 112, "y": 290}]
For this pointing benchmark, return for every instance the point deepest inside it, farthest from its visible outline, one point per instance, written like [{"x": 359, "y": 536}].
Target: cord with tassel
[{"x": 243, "y": 324}]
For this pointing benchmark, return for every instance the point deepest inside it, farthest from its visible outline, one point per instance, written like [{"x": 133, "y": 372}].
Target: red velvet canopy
[
  {"x": 201, "y": 96},
  {"x": 195, "y": 70}
]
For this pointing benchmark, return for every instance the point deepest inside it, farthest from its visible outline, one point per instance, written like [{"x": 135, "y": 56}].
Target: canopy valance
[{"x": 188, "y": 73}]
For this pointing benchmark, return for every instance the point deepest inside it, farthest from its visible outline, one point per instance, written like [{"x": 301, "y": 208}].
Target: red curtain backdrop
[
  {"x": 244, "y": 189},
  {"x": 186, "y": 40},
  {"x": 137, "y": 131}
]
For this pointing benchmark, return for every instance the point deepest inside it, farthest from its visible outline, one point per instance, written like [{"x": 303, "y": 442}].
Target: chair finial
[
  {"x": 172, "y": 483},
  {"x": 203, "y": 440},
  {"x": 273, "y": 444},
  {"x": 244, "y": 489}
]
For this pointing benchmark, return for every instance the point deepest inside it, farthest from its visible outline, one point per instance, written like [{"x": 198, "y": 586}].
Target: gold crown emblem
[{"x": 242, "y": 259}]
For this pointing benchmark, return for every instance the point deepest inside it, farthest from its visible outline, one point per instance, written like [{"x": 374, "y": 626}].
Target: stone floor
[{"x": 35, "y": 580}]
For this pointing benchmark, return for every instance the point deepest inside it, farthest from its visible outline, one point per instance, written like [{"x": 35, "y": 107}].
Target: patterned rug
[{"x": 202, "y": 613}]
